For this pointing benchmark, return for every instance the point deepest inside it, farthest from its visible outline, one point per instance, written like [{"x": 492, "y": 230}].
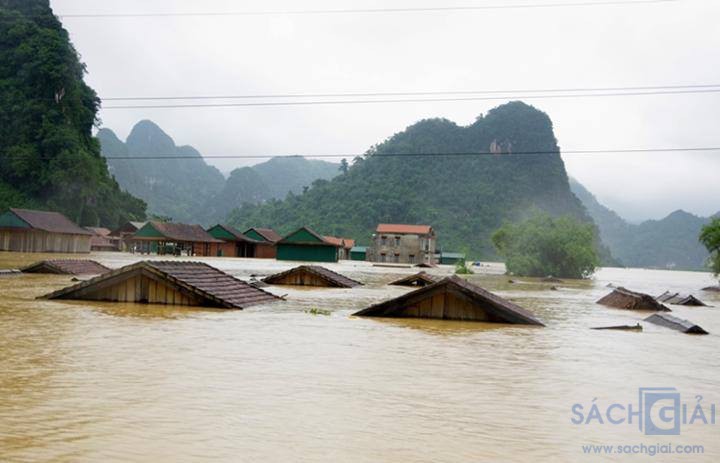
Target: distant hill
[
  {"x": 466, "y": 198},
  {"x": 190, "y": 190},
  {"x": 668, "y": 243}
]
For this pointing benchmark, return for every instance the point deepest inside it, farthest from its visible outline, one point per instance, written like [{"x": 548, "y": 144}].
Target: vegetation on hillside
[
  {"x": 710, "y": 237},
  {"x": 464, "y": 197},
  {"x": 667, "y": 243},
  {"x": 49, "y": 158},
  {"x": 542, "y": 246}
]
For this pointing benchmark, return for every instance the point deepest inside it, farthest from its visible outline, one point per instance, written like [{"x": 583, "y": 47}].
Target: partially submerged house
[
  {"x": 679, "y": 299},
  {"x": 102, "y": 240},
  {"x": 621, "y": 298},
  {"x": 419, "y": 279},
  {"x": 312, "y": 275},
  {"x": 674, "y": 323},
  {"x": 25, "y": 230},
  {"x": 404, "y": 244},
  {"x": 305, "y": 244},
  {"x": 267, "y": 239},
  {"x": 168, "y": 282},
  {"x": 67, "y": 267},
  {"x": 344, "y": 245},
  {"x": 175, "y": 238},
  {"x": 453, "y": 298},
  {"x": 125, "y": 232},
  {"x": 235, "y": 244},
  {"x": 358, "y": 253}
]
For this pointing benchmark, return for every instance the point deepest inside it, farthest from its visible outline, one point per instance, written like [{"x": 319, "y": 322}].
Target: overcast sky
[{"x": 673, "y": 43}]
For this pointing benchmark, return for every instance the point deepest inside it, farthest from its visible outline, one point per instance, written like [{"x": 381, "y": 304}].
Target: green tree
[
  {"x": 344, "y": 166},
  {"x": 710, "y": 237},
  {"x": 48, "y": 156},
  {"x": 543, "y": 245}
]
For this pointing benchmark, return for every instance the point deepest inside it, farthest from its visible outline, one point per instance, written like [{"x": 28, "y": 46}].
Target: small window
[
  {"x": 411, "y": 258},
  {"x": 383, "y": 257},
  {"x": 396, "y": 258},
  {"x": 397, "y": 241},
  {"x": 383, "y": 240}
]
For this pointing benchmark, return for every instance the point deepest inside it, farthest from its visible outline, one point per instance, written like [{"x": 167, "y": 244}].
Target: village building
[
  {"x": 24, "y": 230},
  {"x": 621, "y": 298},
  {"x": 405, "y": 244},
  {"x": 453, "y": 298},
  {"x": 305, "y": 244},
  {"x": 235, "y": 244},
  {"x": 358, "y": 253},
  {"x": 168, "y": 282},
  {"x": 124, "y": 234},
  {"x": 67, "y": 267},
  {"x": 102, "y": 240},
  {"x": 175, "y": 238},
  {"x": 267, "y": 239},
  {"x": 312, "y": 275},
  {"x": 344, "y": 245}
]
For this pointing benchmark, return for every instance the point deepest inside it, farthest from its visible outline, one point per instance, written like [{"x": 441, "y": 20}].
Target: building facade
[
  {"x": 24, "y": 230},
  {"x": 403, "y": 244}
]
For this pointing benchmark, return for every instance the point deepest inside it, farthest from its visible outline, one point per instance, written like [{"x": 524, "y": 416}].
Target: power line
[
  {"x": 517, "y": 6},
  {"x": 419, "y": 93},
  {"x": 589, "y": 152},
  {"x": 410, "y": 100}
]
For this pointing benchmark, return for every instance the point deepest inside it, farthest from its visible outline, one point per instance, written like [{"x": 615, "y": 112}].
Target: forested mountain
[
  {"x": 190, "y": 190},
  {"x": 175, "y": 188},
  {"x": 668, "y": 243},
  {"x": 465, "y": 198},
  {"x": 48, "y": 156}
]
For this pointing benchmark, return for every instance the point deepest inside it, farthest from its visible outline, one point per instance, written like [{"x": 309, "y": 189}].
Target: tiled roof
[
  {"x": 67, "y": 267},
  {"x": 418, "y": 279},
  {"x": 214, "y": 287},
  {"x": 621, "y": 298},
  {"x": 184, "y": 232},
  {"x": 333, "y": 278},
  {"x": 404, "y": 229},
  {"x": 346, "y": 243},
  {"x": 52, "y": 222},
  {"x": 500, "y": 309}
]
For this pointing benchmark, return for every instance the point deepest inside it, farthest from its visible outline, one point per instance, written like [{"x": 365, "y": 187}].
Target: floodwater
[{"x": 88, "y": 382}]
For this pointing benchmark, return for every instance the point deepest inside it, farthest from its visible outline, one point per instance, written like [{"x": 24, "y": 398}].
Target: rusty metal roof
[
  {"x": 403, "y": 229},
  {"x": 500, "y": 308},
  {"x": 333, "y": 278},
  {"x": 214, "y": 287},
  {"x": 53, "y": 222},
  {"x": 67, "y": 267}
]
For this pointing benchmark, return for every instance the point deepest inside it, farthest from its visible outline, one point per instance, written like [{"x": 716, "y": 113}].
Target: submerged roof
[
  {"x": 404, "y": 229},
  {"x": 675, "y": 323},
  {"x": 268, "y": 233},
  {"x": 53, "y": 222},
  {"x": 491, "y": 307},
  {"x": 333, "y": 279},
  {"x": 418, "y": 279},
  {"x": 622, "y": 298},
  {"x": 67, "y": 267},
  {"x": 214, "y": 287},
  {"x": 178, "y": 232},
  {"x": 679, "y": 299}
]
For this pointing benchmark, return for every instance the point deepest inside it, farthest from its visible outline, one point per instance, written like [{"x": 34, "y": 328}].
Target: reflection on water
[{"x": 93, "y": 381}]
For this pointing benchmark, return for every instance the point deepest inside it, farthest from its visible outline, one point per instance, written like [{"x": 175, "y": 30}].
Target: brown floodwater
[{"x": 87, "y": 381}]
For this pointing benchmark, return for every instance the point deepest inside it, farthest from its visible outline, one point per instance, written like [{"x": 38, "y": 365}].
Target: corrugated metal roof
[
  {"x": 403, "y": 229},
  {"x": 67, "y": 267},
  {"x": 214, "y": 287},
  {"x": 53, "y": 222},
  {"x": 333, "y": 278}
]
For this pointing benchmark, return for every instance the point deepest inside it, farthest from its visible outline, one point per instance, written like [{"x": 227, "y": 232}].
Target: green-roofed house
[
  {"x": 267, "y": 239},
  {"x": 305, "y": 244},
  {"x": 358, "y": 253},
  {"x": 451, "y": 258},
  {"x": 235, "y": 243}
]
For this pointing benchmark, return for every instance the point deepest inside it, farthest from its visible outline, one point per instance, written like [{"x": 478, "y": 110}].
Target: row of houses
[{"x": 24, "y": 230}]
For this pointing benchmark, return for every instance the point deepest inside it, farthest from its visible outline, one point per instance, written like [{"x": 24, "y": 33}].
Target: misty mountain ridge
[
  {"x": 671, "y": 242},
  {"x": 190, "y": 190}
]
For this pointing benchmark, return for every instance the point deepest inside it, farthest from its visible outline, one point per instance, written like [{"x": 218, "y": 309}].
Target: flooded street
[{"x": 88, "y": 381}]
